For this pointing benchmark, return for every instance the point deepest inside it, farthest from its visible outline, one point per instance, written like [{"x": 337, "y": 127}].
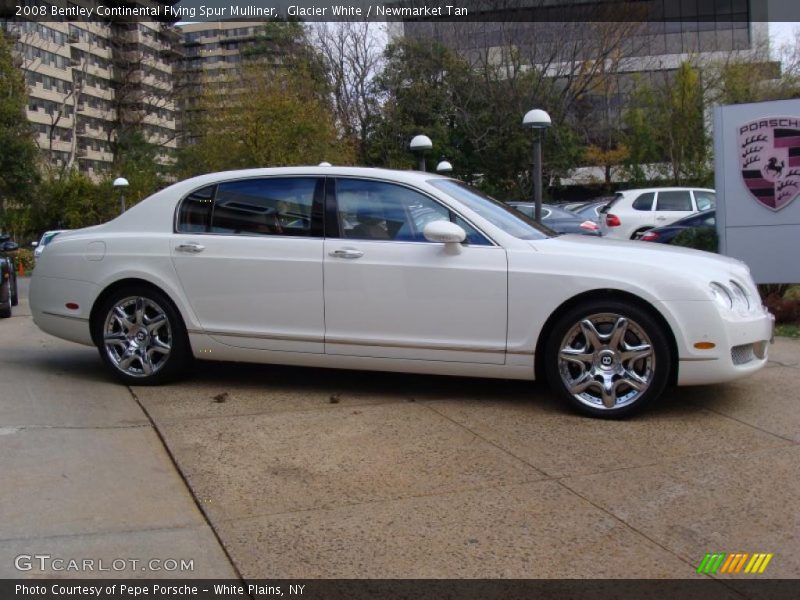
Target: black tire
[
  {"x": 640, "y": 232},
  {"x": 5, "y": 299},
  {"x": 14, "y": 290},
  {"x": 132, "y": 345},
  {"x": 615, "y": 360}
]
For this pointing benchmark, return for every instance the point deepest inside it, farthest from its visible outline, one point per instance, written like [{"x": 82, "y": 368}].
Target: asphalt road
[{"x": 315, "y": 474}]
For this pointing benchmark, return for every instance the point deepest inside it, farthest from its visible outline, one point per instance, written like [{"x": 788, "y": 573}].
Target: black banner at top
[{"x": 695, "y": 11}]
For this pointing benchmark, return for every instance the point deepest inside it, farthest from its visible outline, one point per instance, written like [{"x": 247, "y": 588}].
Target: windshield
[{"x": 498, "y": 214}]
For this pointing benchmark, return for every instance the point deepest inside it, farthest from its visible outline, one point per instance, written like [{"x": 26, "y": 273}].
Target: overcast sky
[{"x": 782, "y": 33}]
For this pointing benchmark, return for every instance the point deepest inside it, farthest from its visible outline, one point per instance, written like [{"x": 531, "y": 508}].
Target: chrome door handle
[
  {"x": 346, "y": 253},
  {"x": 190, "y": 247}
]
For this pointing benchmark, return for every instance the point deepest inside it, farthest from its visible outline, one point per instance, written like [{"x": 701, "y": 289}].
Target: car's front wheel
[
  {"x": 5, "y": 298},
  {"x": 140, "y": 336},
  {"x": 14, "y": 290},
  {"x": 608, "y": 358}
]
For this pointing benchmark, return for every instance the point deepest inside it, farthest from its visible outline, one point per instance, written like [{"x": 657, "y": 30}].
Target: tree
[
  {"x": 71, "y": 200},
  {"x": 278, "y": 121},
  {"x": 418, "y": 85},
  {"x": 274, "y": 111},
  {"x": 352, "y": 53},
  {"x": 466, "y": 109},
  {"x": 136, "y": 159},
  {"x": 19, "y": 153},
  {"x": 666, "y": 130}
]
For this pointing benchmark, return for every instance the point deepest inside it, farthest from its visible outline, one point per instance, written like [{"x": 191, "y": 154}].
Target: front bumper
[{"x": 741, "y": 342}]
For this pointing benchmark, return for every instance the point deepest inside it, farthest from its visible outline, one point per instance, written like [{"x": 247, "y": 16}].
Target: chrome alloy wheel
[
  {"x": 137, "y": 336},
  {"x": 606, "y": 361}
]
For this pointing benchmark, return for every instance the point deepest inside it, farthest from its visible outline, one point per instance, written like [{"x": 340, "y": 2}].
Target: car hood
[{"x": 677, "y": 261}]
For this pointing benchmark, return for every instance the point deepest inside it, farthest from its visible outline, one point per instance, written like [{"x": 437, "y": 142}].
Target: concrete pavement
[{"x": 85, "y": 474}]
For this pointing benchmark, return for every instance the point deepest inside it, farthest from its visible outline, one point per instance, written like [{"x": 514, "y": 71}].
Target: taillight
[
  {"x": 650, "y": 236},
  {"x": 589, "y": 225},
  {"x": 613, "y": 220}
]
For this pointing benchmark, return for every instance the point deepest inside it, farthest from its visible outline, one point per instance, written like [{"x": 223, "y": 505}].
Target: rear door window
[
  {"x": 275, "y": 206},
  {"x": 677, "y": 200}
]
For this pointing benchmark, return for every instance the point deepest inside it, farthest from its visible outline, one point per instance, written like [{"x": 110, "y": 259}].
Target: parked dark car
[
  {"x": 559, "y": 219},
  {"x": 8, "y": 277},
  {"x": 591, "y": 209},
  {"x": 706, "y": 219}
]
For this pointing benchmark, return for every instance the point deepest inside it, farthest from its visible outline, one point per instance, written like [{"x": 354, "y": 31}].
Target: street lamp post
[
  {"x": 538, "y": 120},
  {"x": 121, "y": 183},
  {"x": 419, "y": 145}
]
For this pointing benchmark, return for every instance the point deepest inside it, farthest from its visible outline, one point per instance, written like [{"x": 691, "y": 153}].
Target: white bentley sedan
[{"x": 397, "y": 271}]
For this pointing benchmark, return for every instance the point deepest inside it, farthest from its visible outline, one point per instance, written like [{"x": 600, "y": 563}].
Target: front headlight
[
  {"x": 740, "y": 295},
  {"x": 721, "y": 295}
]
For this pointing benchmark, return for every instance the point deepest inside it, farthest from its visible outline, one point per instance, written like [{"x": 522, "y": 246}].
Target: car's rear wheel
[
  {"x": 140, "y": 336},
  {"x": 608, "y": 358},
  {"x": 640, "y": 232}
]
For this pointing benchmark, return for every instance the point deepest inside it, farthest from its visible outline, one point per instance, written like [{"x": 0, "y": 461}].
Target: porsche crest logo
[{"x": 769, "y": 151}]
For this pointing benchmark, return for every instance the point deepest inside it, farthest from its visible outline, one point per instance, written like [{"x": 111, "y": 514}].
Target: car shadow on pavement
[{"x": 335, "y": 385}]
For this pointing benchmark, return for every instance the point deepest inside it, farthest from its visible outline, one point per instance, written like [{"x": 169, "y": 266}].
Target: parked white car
[
  {"x": 398, "y": 271},
  {"x": 633, "y": 212}
]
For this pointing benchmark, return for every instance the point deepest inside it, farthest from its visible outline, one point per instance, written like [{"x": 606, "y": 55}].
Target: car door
[
  {"x": 248, "y": 254},
  {"x": 672, "y": 205},
  {"x": 389, "y": 293}
]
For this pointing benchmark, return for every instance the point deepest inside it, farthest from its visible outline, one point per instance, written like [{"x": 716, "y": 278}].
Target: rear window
[
  {"x": 194, "y": 215},
  {"x": 705, "y": 200},
  {"x": 644, "y": 201}
]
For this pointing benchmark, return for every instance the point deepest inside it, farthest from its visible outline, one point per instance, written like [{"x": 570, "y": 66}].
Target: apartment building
[
  {"x": 212, "y": 53},
  {"x": 663, "y": 34},
  {"x": 89, "y": 81}
]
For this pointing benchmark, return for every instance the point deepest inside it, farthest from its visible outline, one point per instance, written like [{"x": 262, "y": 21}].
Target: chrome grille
[{"x": 743, "y": 354}]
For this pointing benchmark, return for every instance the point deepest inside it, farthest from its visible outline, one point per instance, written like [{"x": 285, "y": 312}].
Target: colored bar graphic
[
  {"x": 711, "y": 562},
  {"x": 721, "y": 562}
]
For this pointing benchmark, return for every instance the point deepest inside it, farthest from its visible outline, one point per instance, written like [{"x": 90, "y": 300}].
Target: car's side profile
[
  {"x": 632, "y": 212},
  {"x": 397, "y": 271}
]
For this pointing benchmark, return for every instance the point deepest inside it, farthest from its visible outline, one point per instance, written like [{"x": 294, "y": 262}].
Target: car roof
[
  {"x": 315, "y": 171},
  {"x": 665, "y": 189}
]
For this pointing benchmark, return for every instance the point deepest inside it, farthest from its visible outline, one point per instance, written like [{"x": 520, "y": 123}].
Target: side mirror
[
  {"x": 444, "y": 232},
  {"x": 34, "y": 244},
  {"x": 10, "y": 246}
]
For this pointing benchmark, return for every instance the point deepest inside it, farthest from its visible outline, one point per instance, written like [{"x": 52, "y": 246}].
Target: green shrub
[
  {"x": 24, "y": 257},
  {"x": 793, "y": 293},
  {"x": 699, "y": 238}
]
